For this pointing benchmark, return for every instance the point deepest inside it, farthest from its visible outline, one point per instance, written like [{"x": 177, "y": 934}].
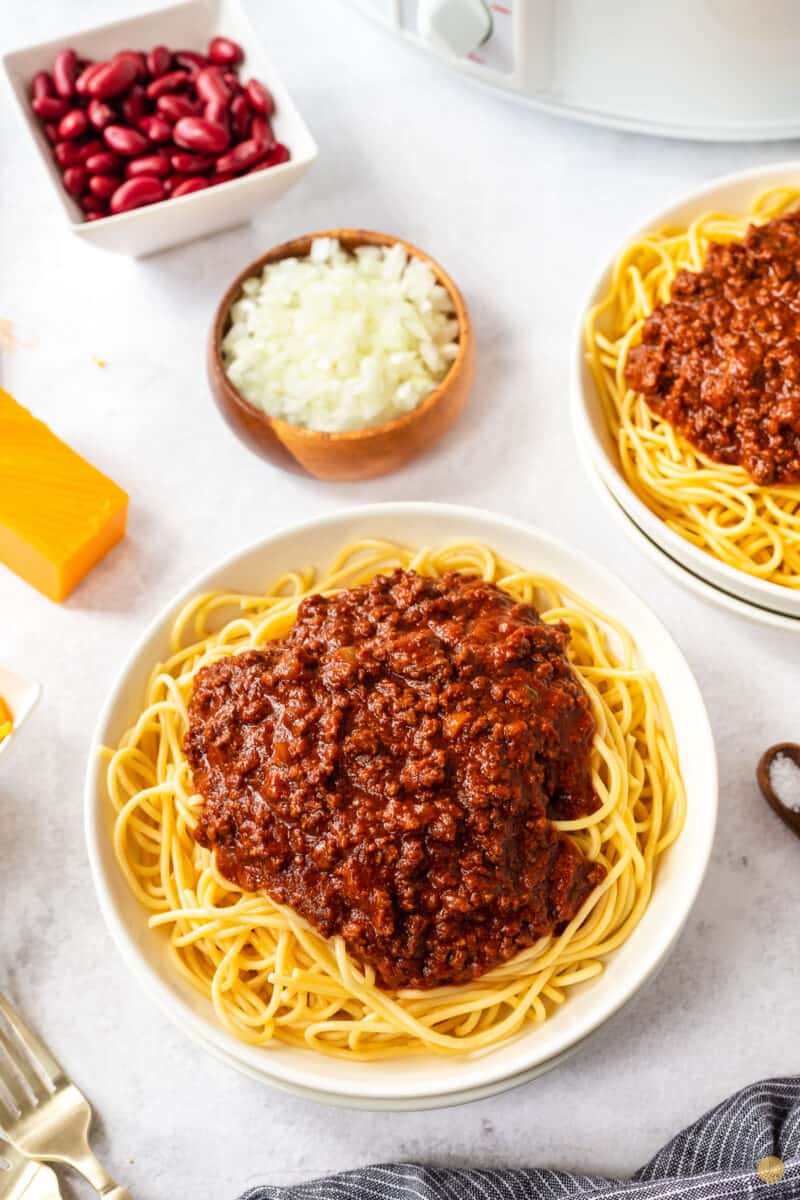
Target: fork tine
[
  {"x": 9, "y": 1078},
  {"x": 19, "y": 1068},
  {"x": 7, "y": 1114},
  {"x": 35, "y": 1049}
]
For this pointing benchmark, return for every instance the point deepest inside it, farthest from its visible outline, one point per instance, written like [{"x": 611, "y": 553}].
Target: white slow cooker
[{"x": 712, "y": 69}]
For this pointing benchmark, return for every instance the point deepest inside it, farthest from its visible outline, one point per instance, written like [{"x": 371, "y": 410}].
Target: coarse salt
[{"x": 784, "y": 776}]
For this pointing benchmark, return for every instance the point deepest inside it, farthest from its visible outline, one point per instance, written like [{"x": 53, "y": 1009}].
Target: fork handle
[{"x": 95, "y": 1173}]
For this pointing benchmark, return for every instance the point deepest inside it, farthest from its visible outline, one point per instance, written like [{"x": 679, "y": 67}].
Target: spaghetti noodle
[
  {"x": 268, "y": 974},
  {"x": 717, "y": 507}
]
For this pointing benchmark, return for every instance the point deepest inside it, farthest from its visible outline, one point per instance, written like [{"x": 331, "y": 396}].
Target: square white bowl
[{"x": 186, "y": 26}]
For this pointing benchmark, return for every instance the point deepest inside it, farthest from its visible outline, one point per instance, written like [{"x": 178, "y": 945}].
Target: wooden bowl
[{"x": 355, "y": 454}]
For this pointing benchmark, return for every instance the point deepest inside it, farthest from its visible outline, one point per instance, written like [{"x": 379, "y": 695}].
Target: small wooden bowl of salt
[
  {"x": 277, "y": 375},
  {"x": 778, "y": 775}
]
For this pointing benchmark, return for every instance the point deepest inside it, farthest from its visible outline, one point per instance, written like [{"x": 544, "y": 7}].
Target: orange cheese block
[
  {"x": 6, "y": 721},
  {"x": 58, "y": 513}
]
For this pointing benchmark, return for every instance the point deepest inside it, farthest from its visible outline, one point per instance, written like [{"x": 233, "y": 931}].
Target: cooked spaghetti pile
[{"x": 269, "y": 975}]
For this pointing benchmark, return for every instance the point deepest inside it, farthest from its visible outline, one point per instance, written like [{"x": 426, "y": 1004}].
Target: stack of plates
[{"x": 697, "y": 570}]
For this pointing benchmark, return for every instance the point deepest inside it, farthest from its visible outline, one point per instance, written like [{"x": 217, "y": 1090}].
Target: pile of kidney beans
[{"x": 143, "y": 127}]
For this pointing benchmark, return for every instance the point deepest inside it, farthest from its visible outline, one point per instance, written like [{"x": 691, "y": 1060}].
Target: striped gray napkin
[{"x": 746, "y": 1147}]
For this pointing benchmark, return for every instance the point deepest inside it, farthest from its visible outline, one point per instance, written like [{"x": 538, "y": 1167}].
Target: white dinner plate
[
  {"x": 733, "y": 193},
  {"x": 417, "y": 1081}
]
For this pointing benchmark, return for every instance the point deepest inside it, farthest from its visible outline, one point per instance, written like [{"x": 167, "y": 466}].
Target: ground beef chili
[
  {"x": 390, "y": 770},
  {"x": 721, "y": 360}
]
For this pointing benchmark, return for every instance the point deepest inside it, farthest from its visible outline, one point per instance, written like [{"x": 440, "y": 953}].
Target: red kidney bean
[
  {"x": 104, "y": 185},
  {"x": 216, "y": 111},
  {"x": 223, "y": 177},
  {"x": 260, "y": 99},
  {"x": 190, "y": 60},
  {"x": 242, "y": 156},
  {"x": 138, "y": 59},
  {"x": 50, "y": 108},
  {"x": 261, "y": 131},
  {"x": 73, "y": 125},
  {"x": 103, "y": 163},
  {"x": 191, "y": 164},
  {"x": 41, "y": 85},
  {"x": 148, "y": 164},
  {"x": 211, "y": 86},
  {"x": 173, "y": 81},
  {"x": 125, "y": 141},
  {"x": 192, "y": 183},
  {"x": 87, "y": 149},
  {"x": 65, "y": 69},
  {"x": 241, "y": 116},
  {"x": 195, "y": 133},
  {"x": 172, "y": 108},
  {"x": 100, "y": 114},
  {"x": 157, "y": 129},
  {"x": 112, "y": 78},
  {"x": 67, "y": 154},
  {"x": 225, "y": 52},
  {"x": 277, "y": 154},
  {"x": 145, "y": 189},
  {"x": 51, "y": 133},
  {"x": 85, "y": 78},
  {"x": 96, "y": 216},
  {"x": 75, "y": 180},
  {"x": 159, "y": 61},
  {"x": 134, "y": 106},
  {"x": 92, "y": 203},
  {"x": 233, "y": 81}
]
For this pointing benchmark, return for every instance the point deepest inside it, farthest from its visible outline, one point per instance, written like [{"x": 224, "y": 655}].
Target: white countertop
[{"x": 519, "y": 207}]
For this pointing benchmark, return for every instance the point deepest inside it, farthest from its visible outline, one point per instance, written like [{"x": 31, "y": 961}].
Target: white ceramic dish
[
  {"x": 183, "y": 26},
  {"x": 734, "y": 193},
  {"x": 417, "y": 1082},
  {"x": 681, "y": 574},
  {"x": 21, "y": 696}
]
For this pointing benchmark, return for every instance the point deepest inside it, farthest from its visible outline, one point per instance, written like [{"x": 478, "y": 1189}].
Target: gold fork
[{"x": 49, "y": 1118}]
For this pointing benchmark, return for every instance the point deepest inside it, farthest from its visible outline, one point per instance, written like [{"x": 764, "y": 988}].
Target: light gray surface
[{"x": 519, "y": 208}]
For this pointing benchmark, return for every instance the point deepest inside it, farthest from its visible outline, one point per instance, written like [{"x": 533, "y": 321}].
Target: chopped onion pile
[{"x": 339, "y": 341}]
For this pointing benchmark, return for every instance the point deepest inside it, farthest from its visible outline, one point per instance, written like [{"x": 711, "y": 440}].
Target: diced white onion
[{"x": 339, "y": 341}]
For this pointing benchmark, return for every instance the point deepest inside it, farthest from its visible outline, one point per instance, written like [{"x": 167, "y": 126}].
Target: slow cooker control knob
[{"x": 456, "y": 26}]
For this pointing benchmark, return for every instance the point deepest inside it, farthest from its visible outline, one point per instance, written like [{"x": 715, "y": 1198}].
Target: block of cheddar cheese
[
  {"x": 58, "y": 513},
  {"x": 6, "y": 721}
]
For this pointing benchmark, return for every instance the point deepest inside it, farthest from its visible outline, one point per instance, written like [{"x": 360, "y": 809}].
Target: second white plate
[{"x": 734, "y": 193}]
